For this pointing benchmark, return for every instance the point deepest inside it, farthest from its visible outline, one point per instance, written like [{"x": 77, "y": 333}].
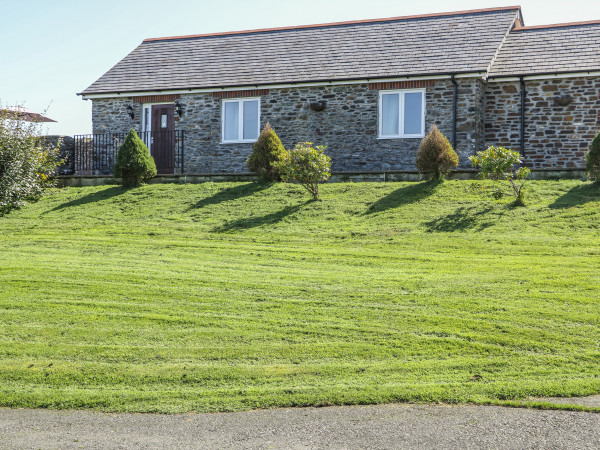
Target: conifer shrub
[
  {"x": 436, "y": 157},
  {"x": 266, "y": 151},
  {"x": 134, "y": 163},
  {"x": 306, "y": 165},
  {"x": 592, "y": 160}
]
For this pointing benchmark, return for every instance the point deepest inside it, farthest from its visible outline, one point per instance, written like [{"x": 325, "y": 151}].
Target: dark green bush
[
  {"x": 134, "y": 163},
  {"x": 592, "y": 160},
  {"x": 266, "y": 151},
  {"x": 436, "y": 157}
]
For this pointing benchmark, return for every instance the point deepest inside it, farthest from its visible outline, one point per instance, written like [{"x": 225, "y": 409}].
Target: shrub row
[{"x": 309, "y": 166}]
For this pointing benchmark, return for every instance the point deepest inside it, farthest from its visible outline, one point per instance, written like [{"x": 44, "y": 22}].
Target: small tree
[
  {"x": 497, "y": 163},
  {"x": 307, "y": 165},
  {"x": 266, "y": 151},
  {"x": 436, "y": 156},
  {"x": 27, "y": 163},
  {"x": 134, "y": 163},
  {"x": 592, "y": 160}
]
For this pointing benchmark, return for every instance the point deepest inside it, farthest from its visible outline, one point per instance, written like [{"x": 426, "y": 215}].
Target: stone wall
[
  {"x": 558, "y": 130},
  {"x": 469, "y": 119},
  {"x": 110, "y": 115},
  {"x": 67, "y": 152},
  {"x": 348, "y": 125}
]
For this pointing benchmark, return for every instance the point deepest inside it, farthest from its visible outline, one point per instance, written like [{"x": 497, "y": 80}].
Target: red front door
[{"x": 162, "y": 144}]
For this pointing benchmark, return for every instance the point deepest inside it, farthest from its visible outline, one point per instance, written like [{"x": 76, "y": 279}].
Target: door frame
[{"x": 148, "y": 126}]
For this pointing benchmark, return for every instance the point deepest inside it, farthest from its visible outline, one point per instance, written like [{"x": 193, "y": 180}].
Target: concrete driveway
[{"x": 373, "y": 427}]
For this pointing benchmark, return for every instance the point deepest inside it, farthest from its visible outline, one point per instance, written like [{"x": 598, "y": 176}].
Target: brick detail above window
[
  {"x": 402, "y": 84},
  {"x": 156, "y": 98},
  {"x": 235, "y": 94}
]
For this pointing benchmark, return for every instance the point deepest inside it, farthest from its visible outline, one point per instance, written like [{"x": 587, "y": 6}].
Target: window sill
[
  {"x": 388, "y": 138},
  {"x": 238, "y": 142}
]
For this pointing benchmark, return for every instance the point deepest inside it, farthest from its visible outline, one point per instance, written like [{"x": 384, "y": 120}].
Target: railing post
[{"x": 182, "y": 151}]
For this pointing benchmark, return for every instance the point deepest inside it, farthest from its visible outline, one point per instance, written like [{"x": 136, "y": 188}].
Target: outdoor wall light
[
  {"x": 178, "y": 108},
  {"x": 130, "y": 111}
]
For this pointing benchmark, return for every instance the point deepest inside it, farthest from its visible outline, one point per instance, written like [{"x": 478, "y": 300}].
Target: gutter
[
  {"x": 454, "y": 109},
  {"x": 442, "y": 76},
  {"x": 309, "y": 83},
  {"x": 523, "y": 95},
  {"x": 544, "y": 75}
]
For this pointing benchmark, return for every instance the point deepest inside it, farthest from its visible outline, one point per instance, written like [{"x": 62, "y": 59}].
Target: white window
[
  {"x": 402, "y": 114},
  {"x": 241, "y": 120}
]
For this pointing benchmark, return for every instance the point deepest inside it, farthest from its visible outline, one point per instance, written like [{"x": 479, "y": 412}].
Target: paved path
[{"x": 373, "y": 427}]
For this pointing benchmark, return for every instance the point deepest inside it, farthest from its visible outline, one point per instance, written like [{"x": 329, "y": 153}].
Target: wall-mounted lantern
[
  {"x": 130, "y": 111},
  {"x": 178, "y": 108}
]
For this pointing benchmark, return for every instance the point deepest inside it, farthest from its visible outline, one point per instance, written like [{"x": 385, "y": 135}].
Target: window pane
[
  {"x": 232, "y": 121},
  {"x": 390, "y": 110},
  {"x": 251, "y": 119},
  {"x": 413, "y": 113}
]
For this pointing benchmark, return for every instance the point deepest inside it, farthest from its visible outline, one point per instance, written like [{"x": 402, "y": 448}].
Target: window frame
[
  {"x": 401, "y": 104},
  {"x": 241, "y": 139}
]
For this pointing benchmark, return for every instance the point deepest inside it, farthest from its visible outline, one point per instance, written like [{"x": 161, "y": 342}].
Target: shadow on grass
[
  {"x": 257, "y": 221},
  {"x": 460, "y": 220},
  {"x": 94, "y": 197},
  {"x": 232, "y": 193},
  {"x": 406, "y": 195},
  {"x": 579, "y": 195}
]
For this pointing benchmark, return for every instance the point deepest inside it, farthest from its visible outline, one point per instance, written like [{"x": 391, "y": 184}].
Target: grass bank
[{"x": 224, "y": 297}]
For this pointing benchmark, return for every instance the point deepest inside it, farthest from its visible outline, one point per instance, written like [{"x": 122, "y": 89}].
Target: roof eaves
[
  {"x": 552, "y": 73},
  {"x": 298, "y": 83}
]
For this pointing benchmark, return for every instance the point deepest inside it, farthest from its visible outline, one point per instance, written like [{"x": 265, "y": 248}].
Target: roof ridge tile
[{"x": 335, "y": 24}]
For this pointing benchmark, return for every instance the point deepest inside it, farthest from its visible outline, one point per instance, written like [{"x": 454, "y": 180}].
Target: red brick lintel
[
  {"x": 402, "y": 84},
  {"x": 156, "y": 98},
  {"x": 234, "y": 94}
]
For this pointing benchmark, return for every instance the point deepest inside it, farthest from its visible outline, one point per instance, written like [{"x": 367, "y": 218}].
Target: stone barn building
[{"x": 369, "y": 90}]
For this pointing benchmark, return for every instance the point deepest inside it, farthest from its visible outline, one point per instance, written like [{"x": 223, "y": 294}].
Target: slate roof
[
  {"x": 551, "y": 49},
  {"x": 436, "y": 44}
]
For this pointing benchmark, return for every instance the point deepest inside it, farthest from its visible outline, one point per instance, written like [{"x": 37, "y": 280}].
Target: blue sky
[{"x": 50, "y": 50}]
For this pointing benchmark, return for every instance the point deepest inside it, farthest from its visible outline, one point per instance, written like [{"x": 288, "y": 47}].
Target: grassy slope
[{"x": 234, "y": 296}]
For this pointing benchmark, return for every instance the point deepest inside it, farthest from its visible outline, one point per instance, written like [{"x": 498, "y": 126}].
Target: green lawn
[{"x": 231, "y": 296}]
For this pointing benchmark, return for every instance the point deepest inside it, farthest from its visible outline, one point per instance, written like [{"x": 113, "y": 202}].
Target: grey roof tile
[
  {"x": 428, "y": 45},
  {"x": 574, "y": 48}
]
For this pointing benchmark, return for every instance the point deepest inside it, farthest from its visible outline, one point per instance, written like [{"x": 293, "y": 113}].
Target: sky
[{"x": 51, "y": 50}]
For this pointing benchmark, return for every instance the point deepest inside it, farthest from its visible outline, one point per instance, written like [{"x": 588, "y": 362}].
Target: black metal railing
[{"x": 96, "y": 154}]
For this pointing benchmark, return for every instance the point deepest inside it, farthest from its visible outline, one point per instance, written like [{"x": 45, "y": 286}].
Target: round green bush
[
  {"x": 266, "y": 151},
  {"x": 592, "y": 160},
  {"x": 134, "y": 163}
]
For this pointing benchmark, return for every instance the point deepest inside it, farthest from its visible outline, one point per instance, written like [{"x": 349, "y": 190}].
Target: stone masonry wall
[
  {"x": 110, "y": 115},
  {"x": 348, "y": 125},
  {"x": 66, "y": 145},
  {"x": 558, "y": 131}
]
